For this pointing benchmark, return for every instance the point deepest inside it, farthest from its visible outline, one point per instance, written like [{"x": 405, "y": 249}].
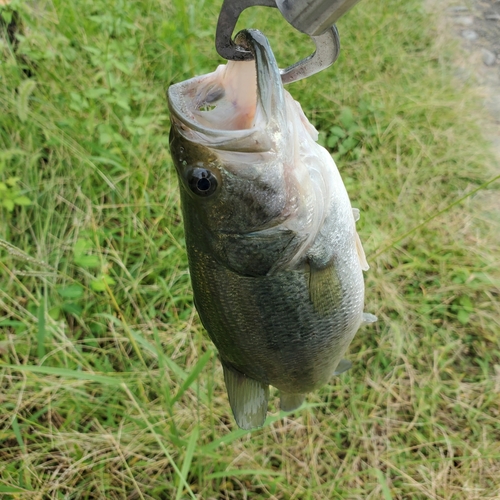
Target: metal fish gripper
[{"x": 315, "y": 18}]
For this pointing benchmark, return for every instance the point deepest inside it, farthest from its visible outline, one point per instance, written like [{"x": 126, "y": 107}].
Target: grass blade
[
  {"x": 187, "y": 462},
  {"x": 17, "y": 433},
  {"x": 65, "y": 373},
  {"x": 383, "y": 483},
  {"x": 394, "y": 242},
  {"x": 160, "y": 442},
  {"x": 172, "y": 365},
  {"x": 41, "y": 330},
  {"x": 12, "y": 489},
  {"x": 24, "y": 92},
  {"x": 242, "y": 472},
  {"x": 193, "y": 375},
  {"x": 238, "y": 433}
]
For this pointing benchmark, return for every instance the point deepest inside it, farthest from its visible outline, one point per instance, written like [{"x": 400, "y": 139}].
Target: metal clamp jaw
[{"x": 316, "y": 18}]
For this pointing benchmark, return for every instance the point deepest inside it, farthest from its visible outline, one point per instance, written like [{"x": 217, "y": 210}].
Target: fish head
[{"x": 231, "y": 145}]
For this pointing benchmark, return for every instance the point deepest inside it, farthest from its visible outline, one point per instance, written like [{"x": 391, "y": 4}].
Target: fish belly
[{"x": 268, "y": 329}]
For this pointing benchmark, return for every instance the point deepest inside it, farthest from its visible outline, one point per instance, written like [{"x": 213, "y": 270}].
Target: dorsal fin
[
  {"x": 369, "y": 318},
  {"x": 361, "y": 254}
]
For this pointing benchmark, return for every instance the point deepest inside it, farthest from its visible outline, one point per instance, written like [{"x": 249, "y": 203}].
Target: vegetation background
[{"x": 109, "y": 387}]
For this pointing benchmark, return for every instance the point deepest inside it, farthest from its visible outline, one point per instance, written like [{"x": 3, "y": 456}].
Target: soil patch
[{"x": 477, "y": 24}]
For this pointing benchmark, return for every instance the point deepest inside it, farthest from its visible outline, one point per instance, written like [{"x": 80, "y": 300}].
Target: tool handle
[{"x": 314, "y": 17}]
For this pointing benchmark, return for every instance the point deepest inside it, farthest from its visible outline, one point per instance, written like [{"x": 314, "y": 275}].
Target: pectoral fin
[
  {"x": 355, "y": 213},
  {"x": 324, "y": 289},
  {"x": 247, "y": 397},
  {"x": 290, "y": 402},
  {"x": 342, "y": 367}
]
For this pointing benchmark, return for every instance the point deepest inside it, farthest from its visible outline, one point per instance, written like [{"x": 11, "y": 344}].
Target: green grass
[{"x": 109, "y": 387}]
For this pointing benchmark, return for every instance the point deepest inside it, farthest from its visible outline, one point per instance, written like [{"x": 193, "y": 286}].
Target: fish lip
[
  {"x": 270, "y": 101},
  {"x": 270, "y": 90}
]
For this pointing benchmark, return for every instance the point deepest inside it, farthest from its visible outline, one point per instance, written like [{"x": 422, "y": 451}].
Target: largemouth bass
[{"x": 275, "y": 260}]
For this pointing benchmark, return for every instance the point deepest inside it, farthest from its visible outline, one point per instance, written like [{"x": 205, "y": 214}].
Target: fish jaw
[
  {"x": 275, "y": 183},
  {"x": 239, "y": 107},
  {"x": 232, "y": 123}
]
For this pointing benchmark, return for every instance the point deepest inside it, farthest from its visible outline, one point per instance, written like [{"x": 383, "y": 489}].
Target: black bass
[{"x": 275, "y": 260}]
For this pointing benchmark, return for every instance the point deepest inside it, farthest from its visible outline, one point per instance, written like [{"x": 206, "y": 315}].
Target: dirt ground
[{"x": 476, "y": 23}]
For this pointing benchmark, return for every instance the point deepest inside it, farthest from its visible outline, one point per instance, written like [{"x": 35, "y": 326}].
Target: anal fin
[
  {"x": 290, "y": 402},
  {"x": 248, "y": 398},
  {"x": 342, "y": 367}
]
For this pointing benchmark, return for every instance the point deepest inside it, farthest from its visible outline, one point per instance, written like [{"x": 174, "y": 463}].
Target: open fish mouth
[{"x": 238, "y": 107}]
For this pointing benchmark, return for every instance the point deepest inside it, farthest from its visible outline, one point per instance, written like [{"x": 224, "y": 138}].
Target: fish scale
[{"x": 267, "y": 328}]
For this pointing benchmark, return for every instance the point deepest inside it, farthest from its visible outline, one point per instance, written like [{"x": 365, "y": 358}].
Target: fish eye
[{"x": 202, "y": 181}]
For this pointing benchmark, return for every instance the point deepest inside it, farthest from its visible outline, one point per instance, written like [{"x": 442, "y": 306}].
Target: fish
[{"x": 275, "y": 260}]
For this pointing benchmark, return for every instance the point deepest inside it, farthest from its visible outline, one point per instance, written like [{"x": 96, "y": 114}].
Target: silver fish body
[{"x": 275, "y": 260}]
